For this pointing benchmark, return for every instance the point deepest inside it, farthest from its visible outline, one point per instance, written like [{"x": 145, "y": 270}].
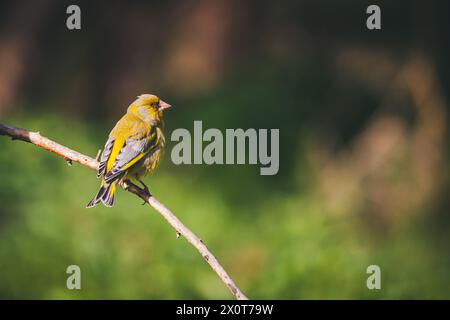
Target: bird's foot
[{"x": 145, "y": 189}]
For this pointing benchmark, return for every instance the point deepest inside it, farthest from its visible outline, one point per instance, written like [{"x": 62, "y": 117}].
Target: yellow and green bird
[{"x": 134, "y": 148}]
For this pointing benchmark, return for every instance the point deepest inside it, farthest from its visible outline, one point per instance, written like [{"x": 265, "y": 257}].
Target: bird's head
[{"x": 148, "y": 107}]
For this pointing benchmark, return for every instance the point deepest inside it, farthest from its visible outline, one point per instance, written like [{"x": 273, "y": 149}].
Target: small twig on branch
[{"x": 181, "y": 230}]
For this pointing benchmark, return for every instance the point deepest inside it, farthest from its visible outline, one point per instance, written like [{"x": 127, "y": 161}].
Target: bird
[{"x": 134, "y": 148}]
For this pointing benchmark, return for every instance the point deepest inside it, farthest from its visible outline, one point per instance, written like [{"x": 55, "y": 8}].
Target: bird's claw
[{"x": 146, "y": 190}]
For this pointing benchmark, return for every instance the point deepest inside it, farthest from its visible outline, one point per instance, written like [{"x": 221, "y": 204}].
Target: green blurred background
[{"x": 364, "y": 158}]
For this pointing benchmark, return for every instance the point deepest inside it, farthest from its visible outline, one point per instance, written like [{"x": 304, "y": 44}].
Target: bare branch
[{"x": 181, "y": 230}]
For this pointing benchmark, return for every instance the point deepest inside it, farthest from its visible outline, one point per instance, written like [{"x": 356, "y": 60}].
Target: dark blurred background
[{"x": 364, "y": 158}]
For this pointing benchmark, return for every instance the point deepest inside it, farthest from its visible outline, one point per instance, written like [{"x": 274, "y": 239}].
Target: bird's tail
[{"x": 105, "y": 195}]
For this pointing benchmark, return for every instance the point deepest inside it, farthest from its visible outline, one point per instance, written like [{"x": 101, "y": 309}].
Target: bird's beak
[{"x": 164, "y": 105}]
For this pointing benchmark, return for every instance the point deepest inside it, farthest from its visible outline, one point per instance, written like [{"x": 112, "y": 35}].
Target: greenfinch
[{"x": 134, "y": 148}]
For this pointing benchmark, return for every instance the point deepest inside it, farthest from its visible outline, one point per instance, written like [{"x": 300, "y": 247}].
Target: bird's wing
[
  {"x": 126, "y": 153},
  {"x": 105, "y": 155}
]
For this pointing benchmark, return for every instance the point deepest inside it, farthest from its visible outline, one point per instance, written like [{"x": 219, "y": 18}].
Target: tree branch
[{"x": 73, "y": 156}]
